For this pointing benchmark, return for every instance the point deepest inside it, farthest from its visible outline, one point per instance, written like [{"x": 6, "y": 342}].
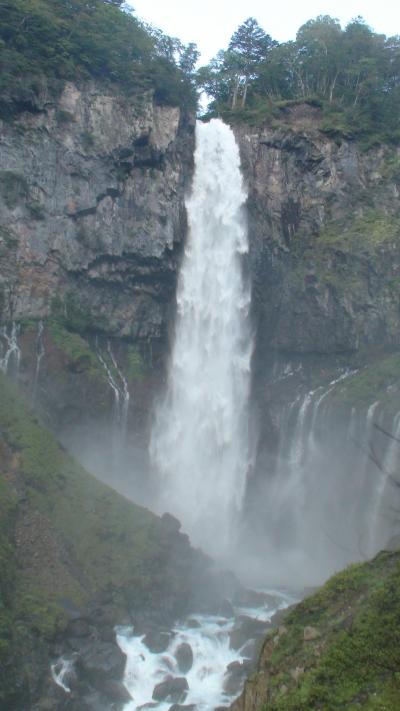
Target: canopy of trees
[
  {"x": 44, "y": 42},
  {"x": 352, "y": 74}
]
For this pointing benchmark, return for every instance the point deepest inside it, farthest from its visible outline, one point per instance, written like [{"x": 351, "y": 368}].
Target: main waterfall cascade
[{"x": 199, "y": 443}]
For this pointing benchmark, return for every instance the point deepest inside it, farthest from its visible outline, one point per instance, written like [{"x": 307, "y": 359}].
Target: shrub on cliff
[{"x": 44, "y": 42}]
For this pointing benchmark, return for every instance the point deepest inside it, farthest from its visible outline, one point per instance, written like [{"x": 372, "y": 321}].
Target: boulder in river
[
  {"x": 193, "y": 624},
  {"x": 236, "y": 673},
  {"x": 157, "y": 641},
  {"x": 184, "y": 657},
  {"x": 172, "y": 689},
  {"x": 180, "y": 707},
  {"x": 246, "y": 628},
  {"x": 101, "y": 660},
  {"x": 115, "y": 690},
  {"x": 226, "y": 609}
]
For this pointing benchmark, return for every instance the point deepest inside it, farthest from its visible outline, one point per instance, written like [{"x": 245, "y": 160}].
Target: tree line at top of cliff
[
  {"x": 43, "y": 43},
  {"x": 353, "y": 75}
]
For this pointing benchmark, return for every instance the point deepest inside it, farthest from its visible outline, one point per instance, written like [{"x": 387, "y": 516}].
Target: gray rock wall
[
  {"x": 324, "y": 221},
  {"x": 92, "y": 205}
]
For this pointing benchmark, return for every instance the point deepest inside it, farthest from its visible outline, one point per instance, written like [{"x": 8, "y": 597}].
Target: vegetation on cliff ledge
[
  {"x": 45, "y": 42},
  {"x": 338, "y": 649},
  {"x": 351, "y": 75}
]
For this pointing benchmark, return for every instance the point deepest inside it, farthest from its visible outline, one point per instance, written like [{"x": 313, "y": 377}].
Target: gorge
[{"x": 207, "y": 320}]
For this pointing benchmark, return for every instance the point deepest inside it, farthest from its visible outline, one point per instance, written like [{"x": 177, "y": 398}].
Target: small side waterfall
[
  {"x": 199, "y": 443},
  {"x": 40, "y": 352},
  {"x": 325, "y": 502},
  {"x": 10, "y": 350},
  {"x": 119, "y": 386}
]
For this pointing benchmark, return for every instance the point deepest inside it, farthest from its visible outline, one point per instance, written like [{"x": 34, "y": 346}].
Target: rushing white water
[
  {"x": 63, "y": 670},
  {"x": 199, "y": 443},
  {"x": 212, "y": 654}
]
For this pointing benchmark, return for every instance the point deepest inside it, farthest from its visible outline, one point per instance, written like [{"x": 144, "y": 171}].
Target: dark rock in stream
[
  {"x": 101, "y": 660},
  {"x": 180, "y": 707},
  {"x": 172, "y": 689},
  {"x": 236, "y": 673},
  {"x": 193, "y": 624},
  {"x": 115, "y": 690},
  {"x": 157, "y": 641},
  {"x": 247, "y": 628},
  {"x": 249, "y": 650},
  {"x": 97, "y": 702},
  {"x": 184, "y": 657}
]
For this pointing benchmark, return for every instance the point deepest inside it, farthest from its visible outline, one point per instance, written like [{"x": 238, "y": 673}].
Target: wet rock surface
[
  {"x": 246, "y": 628},
  {"x": 184, "y": 657},
  {"x": 157, "y": 641},
  {"x": 172, "y": 689}
]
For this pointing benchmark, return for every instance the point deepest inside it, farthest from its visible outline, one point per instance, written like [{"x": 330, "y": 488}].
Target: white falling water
[
  {"x": 199, "y": 442},
  {"x": 119, "y": 386},
  {"x": 40, "y": 352},
  {"x": 10, "y": 351},
  {"x": 381, "y": 520}
]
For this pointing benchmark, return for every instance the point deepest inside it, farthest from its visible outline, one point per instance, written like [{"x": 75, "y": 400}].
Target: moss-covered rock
[
  {"x": 377, "y": 381},
  {"x": 352, "y": 657}
]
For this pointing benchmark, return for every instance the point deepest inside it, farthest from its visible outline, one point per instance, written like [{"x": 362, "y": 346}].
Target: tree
[
  {"x": 248, "y": 47},
  {"x": 320, "y": 56}
]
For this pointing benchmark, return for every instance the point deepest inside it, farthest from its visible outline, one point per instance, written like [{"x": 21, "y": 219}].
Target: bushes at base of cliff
[{"x": 338, "y": 649}]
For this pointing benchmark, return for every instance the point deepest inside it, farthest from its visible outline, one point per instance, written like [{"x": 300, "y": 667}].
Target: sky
[{"x": 210, "y": 23}]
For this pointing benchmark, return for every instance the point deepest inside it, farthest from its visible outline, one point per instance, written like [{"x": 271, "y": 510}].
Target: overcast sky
[{"x": 210, "y": 23}]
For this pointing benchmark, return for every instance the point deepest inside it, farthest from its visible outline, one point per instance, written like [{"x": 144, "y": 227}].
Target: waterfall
[
  {"x": 40, "y": 352},
  {"x": 11, "y": 351},
  {"x": 382, "y": 519},
  {"x": 199, "y": 442},
  {"x": 119, "y": 387}
]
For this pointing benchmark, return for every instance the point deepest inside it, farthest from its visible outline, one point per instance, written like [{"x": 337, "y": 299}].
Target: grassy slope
[
  {"x": 354, "y": 660},
  {"x": 66, "y": 539}
]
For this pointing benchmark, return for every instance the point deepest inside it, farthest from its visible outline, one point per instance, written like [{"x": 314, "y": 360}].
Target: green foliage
[
  {"x": 353, "y": 662},
  {"x": 45, "y": 42},
  {"x": 353, "y": 75},
  {"x": 80, "y": 356},
  {"x": 376, "y": 381},
  {"x": 73, "y": 315},
  {"x": 84, "y": 541},
  {"x": 136, "y": 369},
  {"x": 366, "y": 231}
]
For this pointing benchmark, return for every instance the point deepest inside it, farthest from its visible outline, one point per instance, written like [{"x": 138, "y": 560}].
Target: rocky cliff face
[
  {"x": 324, "y": 224},
  {"x": 324, "y": 227},
  {"x": 92, "y": 219},
  {"x": 92, "y": 192},
  {"x": 92, "y": 222}
]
